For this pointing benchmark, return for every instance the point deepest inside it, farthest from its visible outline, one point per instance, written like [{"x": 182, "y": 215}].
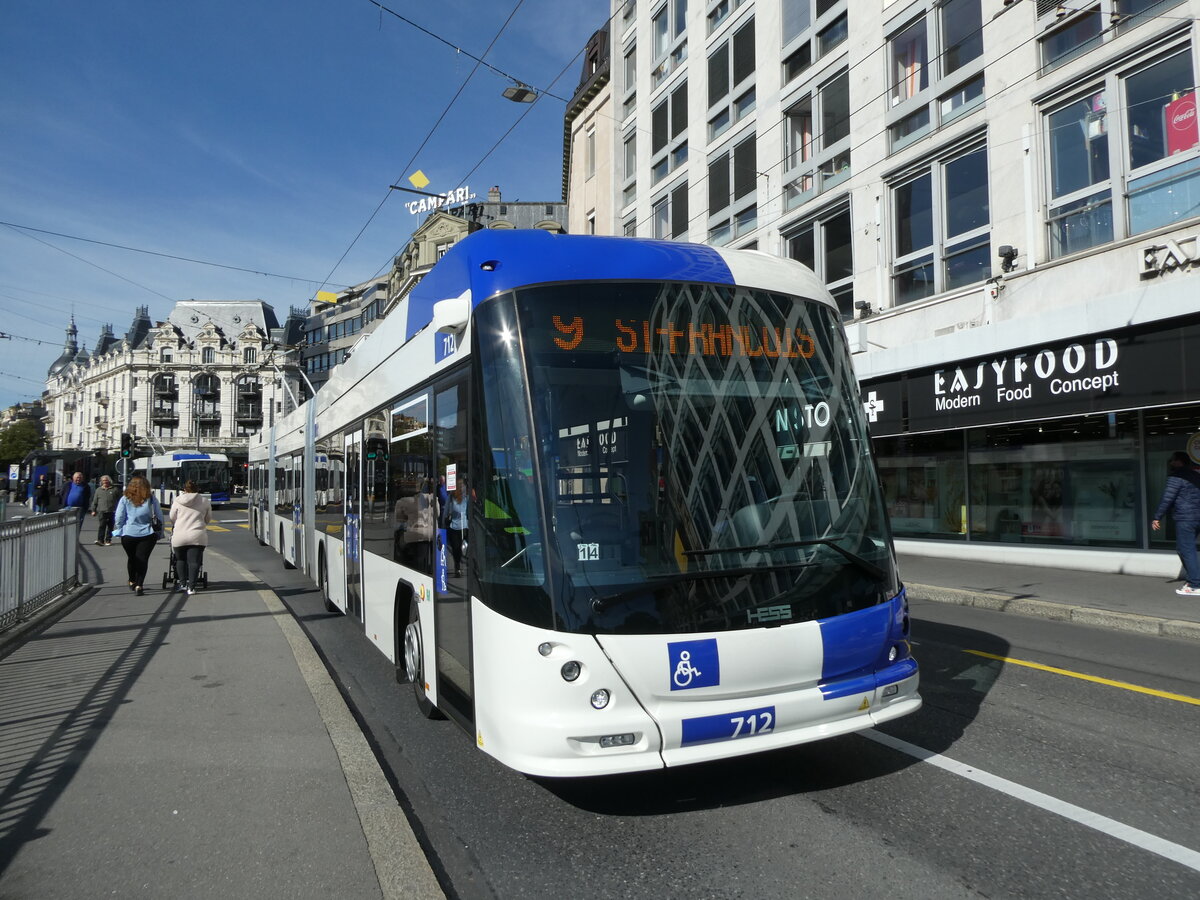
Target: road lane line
[
  {"x": 1166, "y": 695},
  {"x": 1185, "y": 856}
]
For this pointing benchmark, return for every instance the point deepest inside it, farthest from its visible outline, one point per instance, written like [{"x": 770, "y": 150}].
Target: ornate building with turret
[{"x": 209, "y": 376}]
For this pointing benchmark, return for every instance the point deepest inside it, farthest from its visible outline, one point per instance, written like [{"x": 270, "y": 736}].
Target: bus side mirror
[{"x": 450, "y": 316}]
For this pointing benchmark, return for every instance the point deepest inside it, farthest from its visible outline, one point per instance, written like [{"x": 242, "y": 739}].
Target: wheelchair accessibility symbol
[{"x": 694, "y": 664}]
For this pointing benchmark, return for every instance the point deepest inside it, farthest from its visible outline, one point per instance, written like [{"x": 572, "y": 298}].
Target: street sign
[
  {"x": 14, "y": 472},
  {"x": 123, "y": 468}
]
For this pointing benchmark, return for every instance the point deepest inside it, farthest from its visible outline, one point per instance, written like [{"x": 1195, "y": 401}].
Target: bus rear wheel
[
  {"x": 287, "y": 563},
  {"x": 323, "y": 581},
  {"x": 413, "y": 656}
]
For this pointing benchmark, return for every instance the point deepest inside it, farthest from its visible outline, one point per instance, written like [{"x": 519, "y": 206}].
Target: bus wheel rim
[{"x": 412, "y": 652}]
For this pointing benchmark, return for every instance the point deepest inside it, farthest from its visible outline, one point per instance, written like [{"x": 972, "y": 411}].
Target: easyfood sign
[{"x": 1127, "y": 368}]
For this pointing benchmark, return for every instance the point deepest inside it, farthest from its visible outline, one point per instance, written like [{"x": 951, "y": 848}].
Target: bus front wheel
[{"x": 413, "y": 656}]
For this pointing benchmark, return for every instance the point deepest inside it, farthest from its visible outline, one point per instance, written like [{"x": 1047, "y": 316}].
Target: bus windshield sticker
[
  {"x": 728, "y": 726},
  {"x": 694, "y": 664}
]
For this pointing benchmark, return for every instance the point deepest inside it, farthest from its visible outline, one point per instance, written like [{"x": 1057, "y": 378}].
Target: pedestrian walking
[
  {"x": 41, "y": 495},
  {"x": 104, "y": 506},
  {"x": 190, "y": 514},
  {"x": 138, "y": 523},
  {"x": 76, "y": 494},
  {"x": 1182, "y": 494}
]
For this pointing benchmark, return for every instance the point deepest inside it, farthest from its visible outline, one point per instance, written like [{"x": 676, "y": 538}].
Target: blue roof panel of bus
[{"x": 534, "y": 256}]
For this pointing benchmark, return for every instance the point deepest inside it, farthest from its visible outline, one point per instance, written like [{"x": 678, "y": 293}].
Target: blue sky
[{"x": 259, "y": 134}]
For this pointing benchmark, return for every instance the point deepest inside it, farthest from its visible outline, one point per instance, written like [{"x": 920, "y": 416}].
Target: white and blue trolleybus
[
  {"x": 607, "y": 503},
  {"x": 169, "y": 472}
]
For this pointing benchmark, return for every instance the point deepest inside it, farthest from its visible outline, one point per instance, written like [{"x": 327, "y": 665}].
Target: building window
[
  {"x": 811, "y": 29},
  {"x": 936, "y": 70},
  {"x": 816, "y": 141},
  {"x": 668, "y": 29},
  {"x": 589, "y": 154},
  {"x": 629, "y": 74},
  {"x": 732, "y": 192},
  {"x": 1154, "y": 155},
  {"x": 731, "y": 74},
  {"x": 668, "y": 134},
  {"x": 629, "y": 168},
  {"x": 250, "y": 356},
  {"x": 629, "y": 229},
  {"x": 208, "y": 356},
  {"x": 670, "y": 214},
  {"x": 942, "y": 218},
  {"x": 165, "y": 355},
  {"x": 825, "y": 245}
]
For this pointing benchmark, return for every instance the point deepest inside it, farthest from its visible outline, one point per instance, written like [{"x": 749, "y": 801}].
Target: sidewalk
[
  {"x": 172, "y": 746},
  {"x": 1146, "y": 605}
]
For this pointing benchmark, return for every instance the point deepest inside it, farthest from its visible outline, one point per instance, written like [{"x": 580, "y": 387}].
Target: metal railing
[{"x": 38, "y": 556}]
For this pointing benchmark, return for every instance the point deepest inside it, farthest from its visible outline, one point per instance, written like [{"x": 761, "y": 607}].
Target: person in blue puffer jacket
[
  {"x": 138, "y": 522},
  {"x": 1183, "y": 495}
]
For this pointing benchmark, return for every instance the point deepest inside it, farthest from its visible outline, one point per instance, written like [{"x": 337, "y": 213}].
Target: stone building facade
[{"x": 210, "y": 375}]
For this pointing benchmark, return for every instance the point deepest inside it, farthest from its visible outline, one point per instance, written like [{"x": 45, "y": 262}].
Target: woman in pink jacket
[{"x": 190, "y": 513}]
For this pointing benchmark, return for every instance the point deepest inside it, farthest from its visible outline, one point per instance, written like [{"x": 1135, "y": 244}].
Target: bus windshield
[{"x": 699, "y": 452}]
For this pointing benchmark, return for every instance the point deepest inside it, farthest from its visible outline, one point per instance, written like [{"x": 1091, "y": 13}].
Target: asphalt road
[{"x": 1011, "y": 781}]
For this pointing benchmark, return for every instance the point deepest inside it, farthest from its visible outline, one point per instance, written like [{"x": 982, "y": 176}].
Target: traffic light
[{"x": 126, "y": 445}]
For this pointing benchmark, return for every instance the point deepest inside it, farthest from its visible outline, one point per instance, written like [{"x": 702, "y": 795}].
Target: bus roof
[{"x": 517, "y": 258}]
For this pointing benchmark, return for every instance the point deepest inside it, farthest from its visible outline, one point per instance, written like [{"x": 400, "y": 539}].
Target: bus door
[
  {"x": 353, "y": 528},
  {"x": 452, "y": 549}
]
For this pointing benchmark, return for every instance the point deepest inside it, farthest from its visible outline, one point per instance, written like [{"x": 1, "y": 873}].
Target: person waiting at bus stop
[
  {"x": 104, "y": 505},
  {"x": 1183, "y": 495},
  {"x": 190, "y": 513},
  {"x": 139, "y": 525},
  {"x": 76, "y": 494},
  {"x": 41, "y": 495}
]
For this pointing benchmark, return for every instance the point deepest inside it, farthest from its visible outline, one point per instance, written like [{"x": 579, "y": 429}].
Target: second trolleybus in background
[
  {"x": 169, "y": 472},
  {"x": 607, "y": 503}
]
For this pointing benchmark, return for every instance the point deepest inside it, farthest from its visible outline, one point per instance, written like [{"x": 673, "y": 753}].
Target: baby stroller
[{"x": 170, "y": 578}]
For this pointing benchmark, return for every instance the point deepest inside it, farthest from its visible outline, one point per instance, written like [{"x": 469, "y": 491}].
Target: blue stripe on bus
[
  {"x": 854, "y": 650},
  {"x": 533, "y": 256}
]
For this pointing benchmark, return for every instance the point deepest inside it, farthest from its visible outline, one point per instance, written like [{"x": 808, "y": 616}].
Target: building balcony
[
  {"x": 249, "y": 413},
  {"x": 164, "y": 414},
  {"x": 208, "y": 416},
  {"x": 102, "y": 399},
  {"x": 166, "y": 391}
]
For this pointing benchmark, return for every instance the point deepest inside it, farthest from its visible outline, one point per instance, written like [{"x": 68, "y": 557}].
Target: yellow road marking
[
  {"x": 216, "y": 528},
  {"x": 1166, "y": 695},
  {"x": 244, "y": 525}
]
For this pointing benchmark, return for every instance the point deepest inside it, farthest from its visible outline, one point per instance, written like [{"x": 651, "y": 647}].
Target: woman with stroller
[
  {"x": 138, "y": 522},
  {"x": 191, "y": 512}
]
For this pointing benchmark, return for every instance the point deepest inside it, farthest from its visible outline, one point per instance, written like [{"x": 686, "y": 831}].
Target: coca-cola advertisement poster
[{"x": 1179, "y": 122}]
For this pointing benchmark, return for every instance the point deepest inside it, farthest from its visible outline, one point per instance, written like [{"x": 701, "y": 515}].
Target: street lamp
[{"x": 520, "y": 93}]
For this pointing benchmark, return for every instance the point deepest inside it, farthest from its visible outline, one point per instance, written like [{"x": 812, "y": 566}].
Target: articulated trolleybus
[
  {"x": 169, "y": 472},
  {"x": 608, "y": 503}
]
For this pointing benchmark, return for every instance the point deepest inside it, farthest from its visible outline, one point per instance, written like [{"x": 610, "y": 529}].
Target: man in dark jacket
[
  {"x": 77, "y": 494},
  {"x": 1183, "y": 494}
]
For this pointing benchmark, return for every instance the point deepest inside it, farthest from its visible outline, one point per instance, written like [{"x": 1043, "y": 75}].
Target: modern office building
[{"x": 1004, "y": 199}]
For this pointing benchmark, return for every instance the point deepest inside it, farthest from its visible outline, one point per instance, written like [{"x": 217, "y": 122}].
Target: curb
[
  {"x": 1059, "y": 612},
  {"x": 43, "y": 617}
]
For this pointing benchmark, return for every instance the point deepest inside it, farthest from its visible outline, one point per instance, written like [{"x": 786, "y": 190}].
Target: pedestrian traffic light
[{"x": 126, "y": 445}]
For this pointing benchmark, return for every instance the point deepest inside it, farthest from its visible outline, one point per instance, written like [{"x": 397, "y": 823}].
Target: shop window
[
  {"x": 670, "y": 214},
  {"x": 811, "y": 29},
  {"x": 732, "y": 192},
  {"x": 816, "y": 140},
  {"x": 936, "y": 69},
  {"x": 924, "y": 479},
  {"x": 825, "y": 245},
  {"x": 1155, "y": 155},
  {"x": 942, "y": 219},
  {"x": 1166, "y": 431},
  {"x": 1064, "y": 481}
]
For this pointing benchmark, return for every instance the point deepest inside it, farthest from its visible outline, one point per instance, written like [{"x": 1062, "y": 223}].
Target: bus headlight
[
  {"x": 570, "y": 670},
  {"x": 545, "y": 649},
  {"x": 600, "y": 698},
  {"x": 893, "y": 652}
]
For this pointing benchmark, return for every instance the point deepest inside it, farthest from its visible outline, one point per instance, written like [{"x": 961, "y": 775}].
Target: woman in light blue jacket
[{"x": 135, "y": 522}]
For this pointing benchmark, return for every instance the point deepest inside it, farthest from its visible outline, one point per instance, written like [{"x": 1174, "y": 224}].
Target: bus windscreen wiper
[
  {"x": 601, "y": 604},
  {"x": 866, "y": 565}
]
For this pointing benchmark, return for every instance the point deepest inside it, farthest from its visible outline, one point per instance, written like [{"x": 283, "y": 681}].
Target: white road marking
[{"x": 1119, "y": 830}]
